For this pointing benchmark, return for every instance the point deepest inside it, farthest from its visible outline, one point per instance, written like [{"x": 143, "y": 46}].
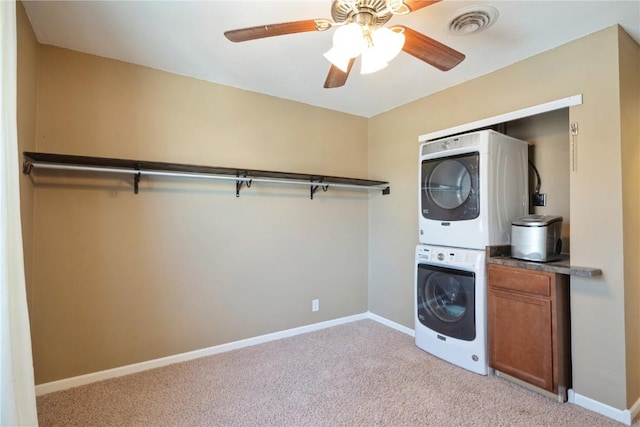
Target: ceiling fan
[{"x": 361, "y": 33}]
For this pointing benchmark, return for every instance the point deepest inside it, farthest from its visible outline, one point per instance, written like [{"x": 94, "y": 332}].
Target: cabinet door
[{"x": 520, "y": 334}]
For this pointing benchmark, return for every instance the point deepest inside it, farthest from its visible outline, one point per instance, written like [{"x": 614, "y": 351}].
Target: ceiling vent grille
[{"x": 472, "y": 20}]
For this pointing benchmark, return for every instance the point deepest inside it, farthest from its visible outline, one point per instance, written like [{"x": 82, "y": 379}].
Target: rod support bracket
[
  {"x": 386, "y": 191},
  {"x": 315, "y": 185},
  {"x": 136, "y": 183},
  {"x": 240, "y": 182},
  {"x": 27, "y": 167},
  {"x": 136, "y": 180}
]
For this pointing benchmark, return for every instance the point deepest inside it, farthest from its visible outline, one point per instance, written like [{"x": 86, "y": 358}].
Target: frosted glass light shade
[
  {"x": 371, "y": 61},
  {"x": 387, "y": 43},
  {"x": 348, "y": 42},
  {"x": 350, "y": 39},
  {"x": 338, "y": 58}
]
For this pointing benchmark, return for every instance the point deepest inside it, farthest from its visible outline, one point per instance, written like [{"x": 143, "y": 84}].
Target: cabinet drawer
[{"x": 525, "y": 281}]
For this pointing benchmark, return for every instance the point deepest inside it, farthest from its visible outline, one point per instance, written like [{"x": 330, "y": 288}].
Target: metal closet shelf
[{"x": 138, "y": 168}]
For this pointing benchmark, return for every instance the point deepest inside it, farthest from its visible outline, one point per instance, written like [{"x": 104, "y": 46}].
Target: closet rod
[{"x": 36, "y": 164}]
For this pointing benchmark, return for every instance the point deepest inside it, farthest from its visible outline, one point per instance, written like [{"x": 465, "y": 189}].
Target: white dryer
[
  {"x": 451, "y": 305},
  {"x": 471, "y": 187}
]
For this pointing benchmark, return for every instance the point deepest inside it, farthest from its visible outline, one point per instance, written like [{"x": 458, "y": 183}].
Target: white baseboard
[
  {"x": 391, "y": 324},
  {"x": 625, "y": 416},
  {"x": 183, "y": 357},
  {"x": 635, "y": 410}
]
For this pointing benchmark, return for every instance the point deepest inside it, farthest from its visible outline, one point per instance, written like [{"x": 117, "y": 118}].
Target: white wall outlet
[{"x": 315, "y": 305}]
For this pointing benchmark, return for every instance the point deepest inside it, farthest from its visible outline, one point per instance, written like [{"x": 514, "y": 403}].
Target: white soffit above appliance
[{"x": 187, "y": 38}]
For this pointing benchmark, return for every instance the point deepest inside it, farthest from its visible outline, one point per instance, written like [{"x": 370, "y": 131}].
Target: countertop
[{"x": 500, "y": 254}]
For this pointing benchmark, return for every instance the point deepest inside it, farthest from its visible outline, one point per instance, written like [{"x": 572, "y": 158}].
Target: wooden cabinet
[{"x": 529, "y": 332}]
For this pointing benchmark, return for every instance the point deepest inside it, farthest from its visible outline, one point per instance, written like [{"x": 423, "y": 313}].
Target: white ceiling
[{"x": 186, "y": 37}]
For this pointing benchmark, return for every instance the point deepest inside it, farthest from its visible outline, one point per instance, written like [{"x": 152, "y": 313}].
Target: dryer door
[
  {"x": 450, "y": 188},
  {"x": 446, "y": 301}
]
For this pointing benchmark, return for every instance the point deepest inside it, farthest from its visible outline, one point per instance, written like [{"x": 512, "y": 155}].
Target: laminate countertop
[{"x": 501, "y": 254}]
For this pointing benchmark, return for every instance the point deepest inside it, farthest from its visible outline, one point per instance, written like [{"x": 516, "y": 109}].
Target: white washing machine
[
  {"x": 471, "y": 187},
  {"x": 451, "y": 305}
]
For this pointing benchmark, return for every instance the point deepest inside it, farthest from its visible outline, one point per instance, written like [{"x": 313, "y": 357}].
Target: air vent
[{"x": 472, "y": 20}]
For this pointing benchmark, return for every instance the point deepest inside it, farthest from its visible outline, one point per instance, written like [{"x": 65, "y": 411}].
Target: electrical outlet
[
  {"x": 539, "y": 199},
  {"x": 315, "y": 305}
]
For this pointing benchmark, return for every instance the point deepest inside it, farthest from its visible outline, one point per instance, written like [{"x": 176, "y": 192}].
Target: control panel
[
  {"x": 453, "y": 143},
  {"x": 448, "y": 256}
]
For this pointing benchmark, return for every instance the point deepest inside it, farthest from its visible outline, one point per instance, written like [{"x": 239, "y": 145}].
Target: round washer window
[
  {"x": 449, "y": 184},
  {"x": 445, "y": 297}
]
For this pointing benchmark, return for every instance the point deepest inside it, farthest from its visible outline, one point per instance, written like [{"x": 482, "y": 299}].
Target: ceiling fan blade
[
  {"x": 336, "y": 76},
  {"x": 262, "y": 31},
  {"x": 419, "y": 4},
  {"x": 430, "y": 51}
]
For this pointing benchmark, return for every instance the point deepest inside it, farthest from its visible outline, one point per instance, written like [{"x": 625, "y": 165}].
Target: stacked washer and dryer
[{"x": 471, "y": 187}]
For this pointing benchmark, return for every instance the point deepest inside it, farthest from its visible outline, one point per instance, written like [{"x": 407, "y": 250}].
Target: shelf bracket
[
  {"x": 27, "y": 167},
  {"x": 239, "y": 184},
  {"x": 386, "y": 191},
  {"x": 314, "y": 188},
  {"x": 136, "y": 180}
]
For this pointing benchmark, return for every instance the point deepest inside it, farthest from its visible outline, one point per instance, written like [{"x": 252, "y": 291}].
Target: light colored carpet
[{"x": 358, "y": 374}]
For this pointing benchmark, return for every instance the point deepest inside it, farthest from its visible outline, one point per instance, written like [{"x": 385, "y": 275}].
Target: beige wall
[
  {"x": 588, "y": 66},
  {"x": 630, "y": 107},
  {"x": 26, "y": 117},
  {"x": 184, "y": 265}
]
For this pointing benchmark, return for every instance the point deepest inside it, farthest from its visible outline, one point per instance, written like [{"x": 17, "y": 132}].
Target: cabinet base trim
[{"x": 560, "y": 397}]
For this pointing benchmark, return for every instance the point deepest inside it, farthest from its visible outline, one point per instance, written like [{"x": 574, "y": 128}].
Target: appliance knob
[{"x": 440, "y": 257}]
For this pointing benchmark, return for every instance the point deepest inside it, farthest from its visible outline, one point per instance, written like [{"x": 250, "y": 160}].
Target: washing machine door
[
  {"x": 450, "y": 187},
  {"x": 446, "y": 301}
]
